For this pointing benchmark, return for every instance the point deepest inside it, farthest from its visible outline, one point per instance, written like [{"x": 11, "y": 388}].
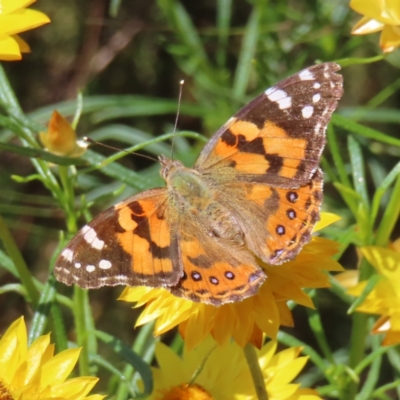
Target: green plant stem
[
  {"x": 19, "y": 263},
  {"x": 359, "y": 333},
  {"x": 80, "y": 297},
  {"x": 390, "y": 216},
  {"x": 255, "y": 370}
]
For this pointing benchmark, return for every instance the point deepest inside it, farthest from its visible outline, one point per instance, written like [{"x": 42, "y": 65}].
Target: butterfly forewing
[
  {"x": 278, "y": 138},
  {"x": 132, "y": 243}
]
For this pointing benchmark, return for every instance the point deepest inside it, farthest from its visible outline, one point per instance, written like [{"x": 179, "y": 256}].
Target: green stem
[
  {"x": 359, "y": 333},
  {"x": 390, "y": 217},
  {"x": 80, "y": 298},
  {"x": 16, "y": 256},
  {"x": 256, "y": 373}
]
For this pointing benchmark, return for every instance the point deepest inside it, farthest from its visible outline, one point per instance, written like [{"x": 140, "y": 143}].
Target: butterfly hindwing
[{"x": 216, "y": 270}]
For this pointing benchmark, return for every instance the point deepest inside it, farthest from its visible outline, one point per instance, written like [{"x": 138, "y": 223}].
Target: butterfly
[{"x": 253, "y": 196}]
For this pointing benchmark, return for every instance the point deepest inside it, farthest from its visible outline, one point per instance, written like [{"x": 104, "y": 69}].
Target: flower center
[
  {"x": 4, "y": 393},
  {"x": 185, "y": 392}
]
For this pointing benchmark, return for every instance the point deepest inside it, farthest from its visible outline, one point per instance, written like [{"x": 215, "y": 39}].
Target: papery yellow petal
[
  {"x": 386, "y": 261},
  {"x": 57, "y": 370},
  {"x": 387, "y": 12},
  {"x": 288, "y": 372},
  {"x": 348, "y": 279},
  {"x": 23, "y": 46},
  {"x": 22, "y": 21},
  {"x": 13, "y": 5},
  {"x": 285, "y": 357},
  {"x": 13, "y": 349},
  {"x": 285, "y": 315},
  {"x": 367, "y": 25},
  {"x": 390, "y": 38},
  {"x": 326, "y": 220},
  {"x": 35, "y": 355},
  {"x": 9, "y": 49},
  {"x": 171, "y": 364},
  {"x": 74, "y": 388},
  {"x": 282, "y": 392}
]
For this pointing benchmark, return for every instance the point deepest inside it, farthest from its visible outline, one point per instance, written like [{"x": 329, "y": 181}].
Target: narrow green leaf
[
  {"x": 247, "y": 52},
  {"x": 130, "y": 357},
  {"x": 357, "y": 163},
  {"x": 364, "y": 131}
]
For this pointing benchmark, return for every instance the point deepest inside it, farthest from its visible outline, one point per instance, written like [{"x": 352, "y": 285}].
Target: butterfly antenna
[
  {"x": 91, "y": 141},
  {"x": 181, "y": 83}
]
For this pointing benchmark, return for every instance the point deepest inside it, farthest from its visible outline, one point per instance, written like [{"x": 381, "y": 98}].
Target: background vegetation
[{"x": 127, "y": 58}]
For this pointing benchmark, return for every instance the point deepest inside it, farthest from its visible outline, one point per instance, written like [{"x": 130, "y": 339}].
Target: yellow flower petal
[
  {"x": 9, "y": 49},
  {"x": 326, "y": 220},
  {"x": 15, "y": 18},
  {"x": 74, "y": 388},
  {"x": 367, "y": 25},
  {"x": 387, "y": 12},
  {"x": 22, "y": 21},
  {"x": 348, "y": 279},
  {"x": 34, "y": 373},
  {"x": 390, "y": 38},
  {"x": 9, "y": 6},
  {"x": 386, "y": 261},
  {"x": 23, "y": 46},
  {"x": 60, "y": 138},
  {"x": 59, "y": 367},
  {"x": 13, "y": 349}
]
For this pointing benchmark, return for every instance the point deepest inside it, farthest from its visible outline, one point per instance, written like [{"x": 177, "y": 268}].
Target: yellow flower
[
  {"x": 212, "y": 372},
  {"x": 15, "y": 18},
  {"x": 247, "y": 320},
  {"x": 60, "y": 138},
  {"x": 35, "y": 373},
  {"x": 384, "y": 299},
  {"x": 379, "y": 16},
  {"x": 279, "y": 370}
]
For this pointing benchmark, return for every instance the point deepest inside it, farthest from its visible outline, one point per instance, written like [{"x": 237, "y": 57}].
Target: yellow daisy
[
  {"x": 15, "y": 18},
  {"x": 208, "y": 373},
  {"x": 34, "y": 372},
  {"x": 384, "y": 299},
  {"x": 379, "y": 16},
  {"x": 245, "y": 321},
  {"x": 279, "y": 370},
  {"x": 60, "y": 138}
]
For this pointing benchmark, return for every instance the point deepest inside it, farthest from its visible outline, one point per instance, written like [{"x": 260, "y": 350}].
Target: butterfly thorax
[{"x": 195, "y": 196}]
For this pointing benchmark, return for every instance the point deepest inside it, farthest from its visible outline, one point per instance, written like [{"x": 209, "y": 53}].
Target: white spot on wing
[
  {"x": 68, "y": 255},
  {"x": 316, "y": 85},
  {"x": 105, "y": 264},
  {"x": 307, "y": 111},
  {"x": 279, "y": 96},
  {"x": 90, "y": 268},
  {"x": 275, "y": 95},
  {"x": 285, "y": 103},
  {"x": 98, "y": 244},
  {"x": 90, "y": 236},
  {"x": 306, "y": 75},
  {"x": 316, "y": 98},
  {"x": 77, "y": 265}
]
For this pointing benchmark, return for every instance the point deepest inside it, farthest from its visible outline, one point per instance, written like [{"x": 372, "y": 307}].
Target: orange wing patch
[
  {"x": 216, "y": 279},
  {"x": 266, "y": 151},
  {"x": 146, "y": 235}
]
